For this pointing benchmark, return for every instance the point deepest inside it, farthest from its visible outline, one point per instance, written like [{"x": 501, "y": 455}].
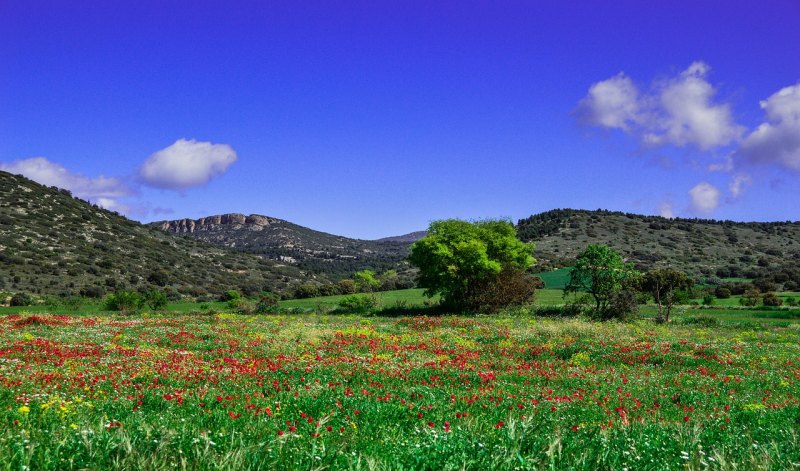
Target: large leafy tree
[
  {"x": 458, "y": 258},
  {"x": 600, "y": 272},
  {"x": 663, "y": 284}
]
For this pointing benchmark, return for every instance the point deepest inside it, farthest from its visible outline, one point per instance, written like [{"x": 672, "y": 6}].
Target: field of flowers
[{"x": 312, "y": 392}]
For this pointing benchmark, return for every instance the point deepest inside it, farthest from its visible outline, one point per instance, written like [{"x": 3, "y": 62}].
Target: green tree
[
  {"x": 664, "y": 284},
  {"x": 155, "y": 300},
  {"x": 365, "y": 281},
  {"x": 457, "y": 258},
  {"x": 600, "y": 272}
]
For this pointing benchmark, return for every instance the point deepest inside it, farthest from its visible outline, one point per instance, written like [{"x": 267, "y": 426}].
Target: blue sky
[{"x": 371, "y": 119}]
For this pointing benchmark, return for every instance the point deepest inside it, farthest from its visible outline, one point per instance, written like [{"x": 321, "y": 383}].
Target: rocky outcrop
[{"x": 211, "y": 223}]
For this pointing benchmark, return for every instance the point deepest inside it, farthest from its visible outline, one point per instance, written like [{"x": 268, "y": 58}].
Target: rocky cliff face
[{"x": 215, "y": 223}]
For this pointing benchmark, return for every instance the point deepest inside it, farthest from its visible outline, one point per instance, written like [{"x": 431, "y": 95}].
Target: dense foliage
[
  {"x": 601, "y": 273},
  {"x": 458, "y": 258}
]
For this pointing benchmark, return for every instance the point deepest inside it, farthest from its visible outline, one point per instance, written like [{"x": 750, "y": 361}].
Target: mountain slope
[
  {"x": 283, "y": 241},
  {"x": 721, "y": 248},
  {"x": 51, "y": 242}
]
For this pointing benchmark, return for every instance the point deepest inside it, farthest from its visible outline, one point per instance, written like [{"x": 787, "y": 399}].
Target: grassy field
[
  {"x": 341, "y": 392},
  {"x": 556, "y": 279}
]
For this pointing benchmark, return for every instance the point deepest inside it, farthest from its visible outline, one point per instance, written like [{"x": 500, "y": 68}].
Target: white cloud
[
  {"x": 611, "y": 103},
  {"x": 101, "y": 190},
  {"x": 777, "y": 141},
  {"x": 679, "y": 111},
  {"x": 666, "y": 210},
  {"x": 705, "y": 197},
  {"x": 186, "y": 164},
  {"x": 738, "y": 184}
]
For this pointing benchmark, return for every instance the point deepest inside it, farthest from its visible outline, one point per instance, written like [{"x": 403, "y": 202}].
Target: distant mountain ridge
[
  {"x": 410, "y": 238},
  {"x": 286, "y": 242}
]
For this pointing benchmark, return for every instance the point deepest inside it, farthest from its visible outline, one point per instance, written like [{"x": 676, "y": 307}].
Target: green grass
[
  {"x": 412, "y": 297},
  {"x": 556, "y": 279},
  {"x": 345, "y": 392}
]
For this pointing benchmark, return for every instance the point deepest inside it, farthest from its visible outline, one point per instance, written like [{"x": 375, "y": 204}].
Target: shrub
[
  {"x": 708, "y": 300},
  {"x": 346, "y": 286},
  {"x": 357, "y": 303},
  {"x": 722, "y": 292},
  {"x": 124, "y": 301},
  {"x": 790, "y": 301},
  {"x": 241, "y": 306},
  {"x": 21, "y": 299},
  {"x": 155, "y": 300},
  {"x": 230, "y": 295},
  {"x": 750, "y": 298},
  {"x": 306, "y": 291},
  {"x": 621, "y": 306},
  {"x": 93, "y": 292},
  {"x": 771, "y": 299},
  {"x": 267, "y": 302},
  {"x": 511, "y": 287},
  {"x": 159, "y": 277}
]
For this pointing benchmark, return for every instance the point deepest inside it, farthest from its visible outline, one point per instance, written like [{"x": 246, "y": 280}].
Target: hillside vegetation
[
  {"x": 723, "y": 249},
  {"x": 335, "y": 256},
  {"x": 52, "y": 243}
]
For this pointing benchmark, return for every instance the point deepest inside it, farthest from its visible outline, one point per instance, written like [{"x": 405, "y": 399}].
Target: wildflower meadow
[{"x": 222, "y": 391}]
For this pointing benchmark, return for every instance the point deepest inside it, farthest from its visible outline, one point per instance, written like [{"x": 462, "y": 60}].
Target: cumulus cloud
[
  {"x": 738, "y": 184},
  {"x": 777, "y": 141},
  {"x": 704, "y": 197},
  {"x": 612, "y": 103},
  {"x": 186, "y": 164},
  {"x": 101, "y": 190},
  {"x": 679, "y": 111}
]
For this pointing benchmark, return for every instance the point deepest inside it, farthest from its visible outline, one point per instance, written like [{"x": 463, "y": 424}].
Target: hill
[
  {"x": 52, "y": 243},
  {"x": 318, "y": 252},
  {"x": 725, "y": 249}
]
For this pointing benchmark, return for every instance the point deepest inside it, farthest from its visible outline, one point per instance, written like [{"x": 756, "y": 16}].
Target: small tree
[
  {"x": 155, "y": 300},
  {"x": 365, "y": 281},
  {"x": 267, "y": 302},
  {"x": 771, "y": 299},
  {"x": 751, "y": 297},
  {"x": 124, "y": 301},
  {"x": 21, "y": 299},
  {"x": 600, "y": 272},
  {"x": 664, "y": 284},
  {"x": 457, "y": 257}
]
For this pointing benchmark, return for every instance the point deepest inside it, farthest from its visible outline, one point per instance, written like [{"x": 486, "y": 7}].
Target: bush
[
  {"x": 155, "y": 300},
  {"x": 241, "y": 306},
  {"x": 346, "y": 287},
  {"x": 750, "y": 298},
  {"x": 306, "y": 291},
  {"x": 93, "y": 292},
  {"x": 790, "y": 301},
  {"x": 357, "y": 303},
  {"x": 267, "y": 302},
  {"x": 708, "y": 300},
  {"x": 124, "y": 301},
  {"x": 771, "y": 299},
  {"x": 621, "y": 306},
  {"x": 231, "y": 295},
  {"x": 722, "y": 292},
  {"x": 511, "y": 287},
  {"x": 21, "y": 299}
]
